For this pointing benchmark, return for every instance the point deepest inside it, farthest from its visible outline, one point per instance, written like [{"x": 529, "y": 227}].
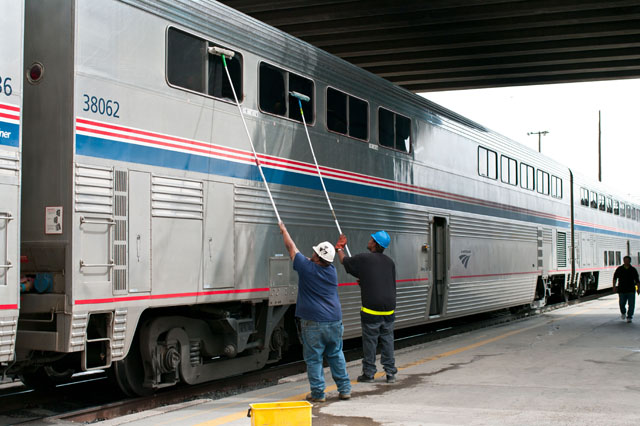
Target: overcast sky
[{"x": 569, "y": 112}]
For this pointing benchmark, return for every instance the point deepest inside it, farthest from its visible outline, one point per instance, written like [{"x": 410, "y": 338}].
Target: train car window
[
  {"x": 394, "y": 130},
  {"x": 616, "y": 207},
  {"x": 305, "y": 86},
  {"x": 584, "y": 197},
  {"x": 622, "y": 209},
  {"x": 218, "y": 83},
  {"x": 358, "y": 118},
  {"x": 527, "y": 177},
  {"x": 605, "y": 258},
  {"x": 186, "y": 57},
  {"x": 275, "y": 85},
  {"x": 628, "y": 211},
  {"x": 336, "y": 111},
  {"x": 190, "y": 66},
  {"x": 618, "y": 258},
  {"x": 593, "y": 200},
  {"x": 556, "y": 187},
  {"x": 543, "y": 182},
  {"x": 601, "y": 205},
  {"x": 612, "y": 259},
  {"x": 272, "y": 90},
  {"x": 508, "y": 170},
  {"x": 487, "y": 163},
  {"x": 347, "y": 115},
  {"x": 609, "y": 202}
]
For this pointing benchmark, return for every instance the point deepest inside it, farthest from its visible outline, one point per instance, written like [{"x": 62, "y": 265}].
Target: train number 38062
[{"x": 101, "y": 106}]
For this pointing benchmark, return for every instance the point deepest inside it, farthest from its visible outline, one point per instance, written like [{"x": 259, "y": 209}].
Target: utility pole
[{"x": 540, "y": 135}]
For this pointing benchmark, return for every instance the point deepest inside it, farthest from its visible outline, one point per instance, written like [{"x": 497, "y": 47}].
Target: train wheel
[{"x": 129, "y": 373}]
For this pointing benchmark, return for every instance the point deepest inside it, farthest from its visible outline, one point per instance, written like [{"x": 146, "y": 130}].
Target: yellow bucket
[{"x": 293, "y": 413}]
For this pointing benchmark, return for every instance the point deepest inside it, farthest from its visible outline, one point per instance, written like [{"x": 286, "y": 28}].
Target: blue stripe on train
[
  {"x": 114, "y": 150},
  {"x": 9, "y": 134}
]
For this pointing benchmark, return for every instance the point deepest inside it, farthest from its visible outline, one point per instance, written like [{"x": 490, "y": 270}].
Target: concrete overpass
[{"x": 463, "y": 44}]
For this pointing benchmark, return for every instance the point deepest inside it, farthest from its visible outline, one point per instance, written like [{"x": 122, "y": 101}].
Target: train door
[
  {"x": 219, "y": 236},
  {"x": 440, "y": 269},
  {"x": 139, "y": 232},
  {"x": 11, "y": 42}
]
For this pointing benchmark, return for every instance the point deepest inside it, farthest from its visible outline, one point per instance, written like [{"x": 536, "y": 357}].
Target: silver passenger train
[
  {"x": 144, "y": 215},
  {"x": 11, "y": 33}
]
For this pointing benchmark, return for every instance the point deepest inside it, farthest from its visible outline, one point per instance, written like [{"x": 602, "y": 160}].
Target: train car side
[
  {"x": 167, "y": 264},
  {"x": 11, "y": 39}
]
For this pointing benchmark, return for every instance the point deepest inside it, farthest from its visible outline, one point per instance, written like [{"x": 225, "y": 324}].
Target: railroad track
[{"x": 21, "y": 405}]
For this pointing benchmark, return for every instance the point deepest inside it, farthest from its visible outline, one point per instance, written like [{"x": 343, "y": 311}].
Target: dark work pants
[
  {"x": 625, "y": 298},
  {"x": 373, "y": 333}
]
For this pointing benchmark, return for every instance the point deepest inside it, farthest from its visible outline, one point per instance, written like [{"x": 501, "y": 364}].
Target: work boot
[
  {"x": 391, "y": 378},
  {"x": 344, "y": 396},
  {"x": 365, "y": 379},
  {"x": 312, "y": 398}
]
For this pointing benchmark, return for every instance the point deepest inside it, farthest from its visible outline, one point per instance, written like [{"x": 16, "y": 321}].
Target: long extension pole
[
  {"x": 222, "y": 52},
  {"x": 300, "y": 97}
]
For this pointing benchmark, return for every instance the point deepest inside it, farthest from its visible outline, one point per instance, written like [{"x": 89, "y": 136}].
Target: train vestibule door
[{"x": 440, "y": 268}]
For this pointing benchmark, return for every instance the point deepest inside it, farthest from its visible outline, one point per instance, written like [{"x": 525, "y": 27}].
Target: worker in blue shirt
[{"x": 320, "y": 315}]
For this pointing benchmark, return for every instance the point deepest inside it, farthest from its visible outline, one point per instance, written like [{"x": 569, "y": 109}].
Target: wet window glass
[
  {"x": 394, "y": 130},
  {"x": 191, "y": 66},
  {"x": 276, "y": 85}
]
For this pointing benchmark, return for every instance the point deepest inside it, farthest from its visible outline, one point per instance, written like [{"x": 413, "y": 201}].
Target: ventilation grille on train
[
  {"x": 177, "y": 198},
  {"x": 561, "y": 249},
  {"x": 94, "y": 189},
  {"x": 120, "y": 232}
]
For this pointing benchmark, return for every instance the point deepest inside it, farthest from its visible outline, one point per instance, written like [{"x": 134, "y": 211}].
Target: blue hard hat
[{"x": 382, "y": 238}]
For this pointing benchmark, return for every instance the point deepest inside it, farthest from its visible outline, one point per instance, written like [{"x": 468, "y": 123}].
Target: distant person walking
[
  {"x": 627, "y": 277},
  {"x": 320, "y": 315},
  {"x": 376, "y": 275}
]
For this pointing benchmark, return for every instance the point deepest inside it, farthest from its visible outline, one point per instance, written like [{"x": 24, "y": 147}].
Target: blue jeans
[
  {"x": 372, "y": 333},
  {"x": 631, "y": 299},
  {"x": 324, "y": 339}
]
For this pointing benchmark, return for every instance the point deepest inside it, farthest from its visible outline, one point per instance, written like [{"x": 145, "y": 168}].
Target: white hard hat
[{"x": 325, "y": 250}]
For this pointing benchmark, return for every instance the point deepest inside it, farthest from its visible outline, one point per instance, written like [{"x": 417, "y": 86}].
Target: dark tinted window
[
  {"x": 358, "y": 118},
  {"x": 191, "y": 66},
  {"x": 275, "y": 87},
  {"x": 336, "y": 111},
  {"x": 394, "y": 130},
  {"x": 616, "y": 207},
  {"x": 584, "y": 197},
  {"x": 186, "y": 57},
  {"x": 304, "y": 86},
  {"x": 272, "y": 90},
  {"x": 386, "y": 131}
]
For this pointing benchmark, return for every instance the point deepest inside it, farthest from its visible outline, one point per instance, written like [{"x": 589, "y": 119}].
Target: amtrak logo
[{"x": 465, "y": 256}]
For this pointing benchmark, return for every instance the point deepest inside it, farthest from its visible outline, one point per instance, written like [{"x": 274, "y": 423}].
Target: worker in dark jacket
[
  {"x": 320, "y": 315},
  {"x": 376, "y": 275},
  {"x": 627, "y": 277}
]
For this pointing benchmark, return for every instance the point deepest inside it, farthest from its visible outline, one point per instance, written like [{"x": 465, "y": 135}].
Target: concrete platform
[{"x": 574, "y": 366}]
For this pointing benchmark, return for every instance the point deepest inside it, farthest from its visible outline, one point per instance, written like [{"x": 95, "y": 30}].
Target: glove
[{"x": 342, "y": 241}]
